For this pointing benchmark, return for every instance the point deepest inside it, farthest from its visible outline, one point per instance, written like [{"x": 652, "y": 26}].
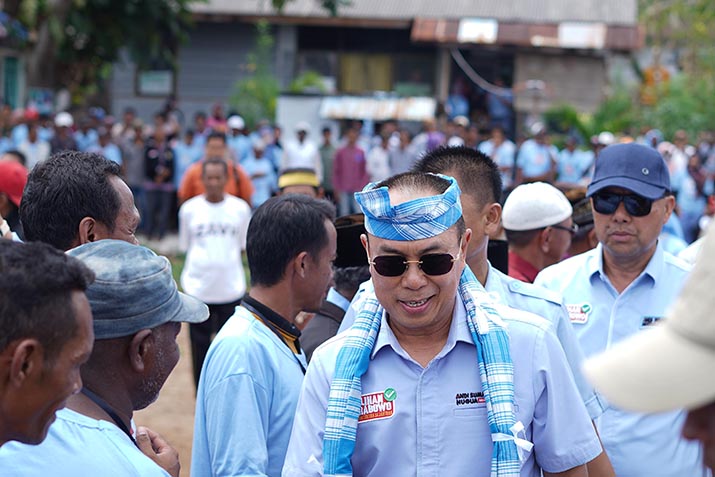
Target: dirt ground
[{"x": 172, "y": 415}]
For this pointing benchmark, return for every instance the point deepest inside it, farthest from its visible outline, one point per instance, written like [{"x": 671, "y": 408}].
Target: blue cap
[
  {"x": 635, "y": 167},
  {"x": 133, "y": 290}
]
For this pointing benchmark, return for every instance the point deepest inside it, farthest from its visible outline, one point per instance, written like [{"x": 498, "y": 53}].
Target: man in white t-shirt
[{"x": 212, "y": 232}]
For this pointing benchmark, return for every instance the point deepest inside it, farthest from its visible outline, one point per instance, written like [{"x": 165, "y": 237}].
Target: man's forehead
[
  {"x": 400, "y": 195},
  {"x": 439, "y": 242}
]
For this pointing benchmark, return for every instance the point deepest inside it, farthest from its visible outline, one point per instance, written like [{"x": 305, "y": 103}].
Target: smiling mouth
[{"x": 415, "y": 303}]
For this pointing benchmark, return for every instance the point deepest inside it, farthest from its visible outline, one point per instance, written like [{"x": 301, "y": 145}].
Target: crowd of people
[
  {"x": 440, "y": 303},
  {"x": 156, "y": 157}
]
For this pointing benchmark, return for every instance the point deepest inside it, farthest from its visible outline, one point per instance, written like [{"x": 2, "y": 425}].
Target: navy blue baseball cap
[
  {"x": 133, "y": 290},
  {"x": 637, "y": 168}
]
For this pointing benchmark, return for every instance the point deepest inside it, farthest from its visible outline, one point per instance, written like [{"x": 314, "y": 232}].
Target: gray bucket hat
[{"x": 133, "y": 290}]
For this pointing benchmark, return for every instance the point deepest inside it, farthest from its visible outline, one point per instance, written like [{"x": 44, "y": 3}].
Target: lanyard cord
[
  {"x": 275, "y": 331},
  {"x": 112, "y": 414}
]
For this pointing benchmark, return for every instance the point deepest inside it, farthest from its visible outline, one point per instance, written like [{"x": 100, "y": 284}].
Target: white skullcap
[
  {"x": 535, "y": 206},
  {"x": 64, "y": 119},
  {"x": 236, "y": 122},
  {"x": 302, "y": 126}
]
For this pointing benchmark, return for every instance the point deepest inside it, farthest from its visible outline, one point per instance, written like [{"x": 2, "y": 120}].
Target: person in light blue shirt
[
  {"x": 263, "y": 176},
  {"x": 136, "y": 315},
  {"x": 536, "y": 160},
  {"x": 238, "y": 143},
  {"x": 502, "y": 151},
  {"x": 106, "y": 147},
  {"x": 478, "y": 177},
  {"x": 692, "y": 198},
  {"x": 253, "y": 370},
  {"x": 622, "y": 287},
  {"x": 420, "y": 393},
  {"x": 85, "y": 136},
  {"x": 572, "y": 164},
  {"x": 187, "y": 153},
  {"x": 19, "y": 134}
]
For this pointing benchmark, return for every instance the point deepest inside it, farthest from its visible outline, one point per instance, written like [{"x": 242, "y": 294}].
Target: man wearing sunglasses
[
  {"x": 428, "y": 371},
  {"x": 622, "y": 287}
]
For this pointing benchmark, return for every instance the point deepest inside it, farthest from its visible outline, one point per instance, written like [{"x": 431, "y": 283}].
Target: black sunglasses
[
  {"x": 573, "y": 229},
  {"x": 608, "y": 202},
  {"x": 433, "y": 264}
]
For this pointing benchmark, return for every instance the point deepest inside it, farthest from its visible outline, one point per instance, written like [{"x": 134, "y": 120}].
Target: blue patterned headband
[{"x": 412, "y": 220}]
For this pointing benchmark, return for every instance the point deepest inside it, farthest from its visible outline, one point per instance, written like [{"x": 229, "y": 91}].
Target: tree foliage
[
  {"x": 255, "y": 97},
  {"x": 331, "y": 6},
  {"x": 76, "y": 41},
  {"x": 687, "y": 26}
]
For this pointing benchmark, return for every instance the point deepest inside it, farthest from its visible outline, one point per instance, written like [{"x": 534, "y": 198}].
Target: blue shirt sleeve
[
  {"x": 237, "y": 399},
  {"x": 563, "y": 434},
  {"x": 304, "y": 457}
]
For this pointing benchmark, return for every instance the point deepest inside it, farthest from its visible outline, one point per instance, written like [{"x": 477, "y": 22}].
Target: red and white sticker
[
  {"x": 376, "y": 406},
  {"x": 578, "y": 313}
]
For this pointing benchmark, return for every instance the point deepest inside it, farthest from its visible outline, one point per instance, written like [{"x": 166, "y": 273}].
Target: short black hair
[
  {"x": 478, "y": 174},
  {"x": 213, "y": 161},
  {"x": 281, "y": 228},
  {"x": 63, "y": 190},
  {"x": 216, "y": 134},
  {"x": 36, "y": 285},
  {"x": 350, "y": 278},
  {"x": 420, "y": 181},
  {"x": 521, "y": 238}
]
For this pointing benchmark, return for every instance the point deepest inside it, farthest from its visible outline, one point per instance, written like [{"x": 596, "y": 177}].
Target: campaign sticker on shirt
[
  {"x": 466, "y": 399},
  {"x": 650, "y": 320},
  {"x": 376, "y": 406},
  {"x": 578, "y": 313}
]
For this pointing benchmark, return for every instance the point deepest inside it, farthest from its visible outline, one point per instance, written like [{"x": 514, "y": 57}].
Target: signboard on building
[{"x": 378, "y": 109}]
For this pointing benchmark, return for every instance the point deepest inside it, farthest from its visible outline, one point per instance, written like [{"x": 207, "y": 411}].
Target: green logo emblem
[
  {"x": 390, "y": 394},
  {"x": 586, "y": 308}
]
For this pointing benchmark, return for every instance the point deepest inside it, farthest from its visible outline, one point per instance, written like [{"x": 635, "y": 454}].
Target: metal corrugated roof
[{"x": 614, "y": 12}]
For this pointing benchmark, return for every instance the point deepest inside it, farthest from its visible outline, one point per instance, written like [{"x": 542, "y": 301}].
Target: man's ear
[
  {"x": 365, "y": 245},
  {"x": 491, "y": 215},
  {"x": 26, "y": 358},
  {"x": 669, "y": 207},
  {"x": 545, "y": 239},
  {"x": 299, "y": 264},
  {"x": 140, "y": 349},
  {"x": 88, "y": 230}
]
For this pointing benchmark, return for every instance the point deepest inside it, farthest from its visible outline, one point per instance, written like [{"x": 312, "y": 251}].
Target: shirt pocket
[{"x": 470, "y": 412}]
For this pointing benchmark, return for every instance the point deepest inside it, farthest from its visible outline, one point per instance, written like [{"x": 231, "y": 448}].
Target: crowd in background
[{"x": 155, "y": 156}]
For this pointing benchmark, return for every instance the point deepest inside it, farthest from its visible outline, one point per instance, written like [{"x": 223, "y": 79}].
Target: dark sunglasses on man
[
  {"x": 433, "y": 264},
  {"x": 608, "y": 202}
]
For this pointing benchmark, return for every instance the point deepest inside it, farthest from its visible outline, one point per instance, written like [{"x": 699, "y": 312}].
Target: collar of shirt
[
  {"x": 337, "y": 299},
  {"x": 654, "y": 269},
  {"x": 276, "y": 320},
  {"x": 522, "y": 267},
  {"x": 458, "y": 331}
]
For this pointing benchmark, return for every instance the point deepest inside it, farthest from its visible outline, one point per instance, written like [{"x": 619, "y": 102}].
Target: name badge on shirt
[
  {"x": 376, "y": 406},
  {"x": 579, "y": 313},
  {"x": 471, "y": 398},
  {"x": 650, "y": 320}
]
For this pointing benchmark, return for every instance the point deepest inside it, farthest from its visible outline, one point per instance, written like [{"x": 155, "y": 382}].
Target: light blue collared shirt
[
  {"x": 246, "y": 401},
  {"x": 637, "y": 444},
  {"x": 534, "y": 159},
  {"x": 337, "y": 299},
  {"x": 437, "y": 425}
]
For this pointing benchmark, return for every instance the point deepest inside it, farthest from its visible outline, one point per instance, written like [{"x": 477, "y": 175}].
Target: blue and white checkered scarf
[
  {"x": 495, "y": 370},
  {"x": 412, "y": 220}
]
